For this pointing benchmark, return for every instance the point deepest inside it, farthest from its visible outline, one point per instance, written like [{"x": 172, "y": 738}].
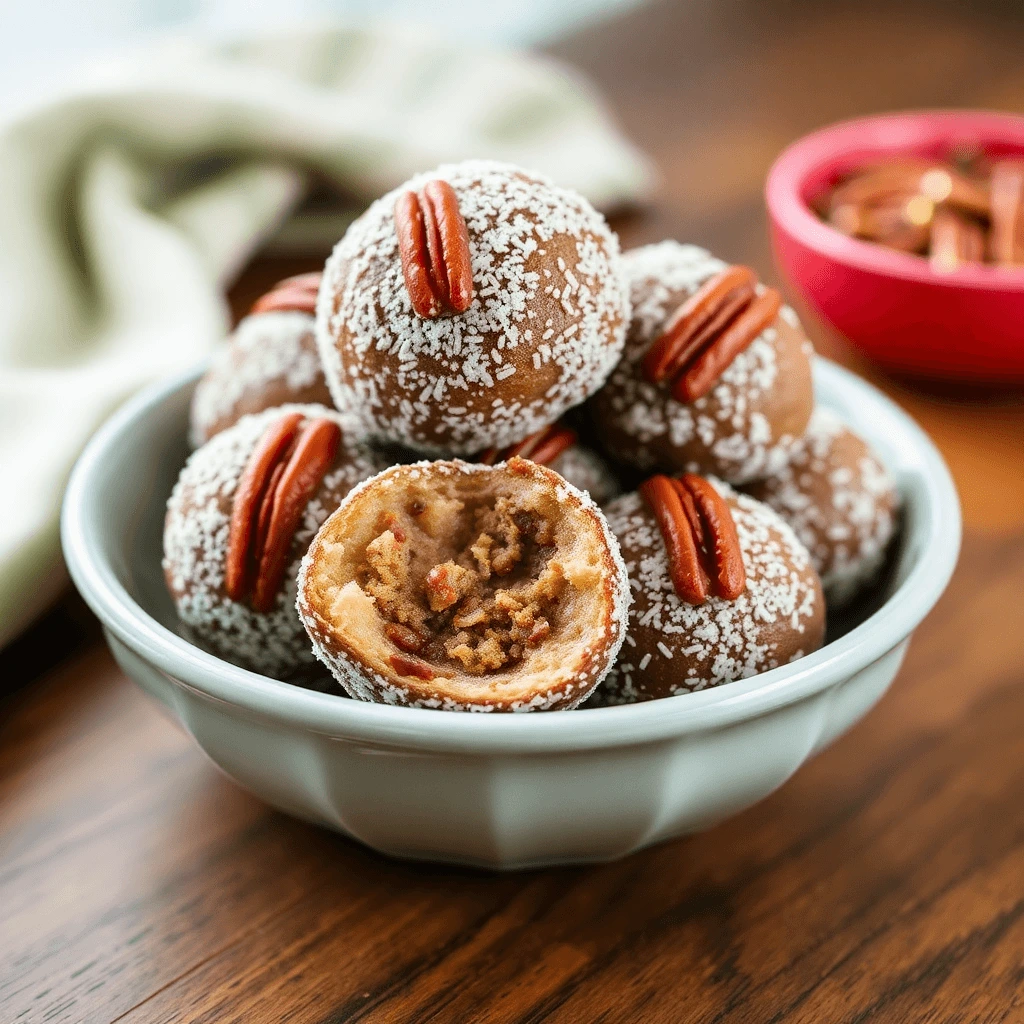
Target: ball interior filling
[{"x": 470, "y": 575}]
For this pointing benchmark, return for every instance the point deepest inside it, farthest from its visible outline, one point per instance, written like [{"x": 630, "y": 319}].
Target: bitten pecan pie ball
[
  {"x": 840, "y": 501},
  {"x": 466, "y": 587},
  {"x": 270, "y": 360},
  {"x": 470, "y": 308},
  {"x": 240, "y": 518},
  {"x": 722, "y": 590},
  {"x": 716, "y": 373},
  {"x": 558, "y": 448}
]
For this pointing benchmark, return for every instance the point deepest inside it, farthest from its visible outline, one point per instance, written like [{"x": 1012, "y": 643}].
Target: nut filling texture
[
  {"x": 466, "y": 585},
  {"x": 481, "y": 609}
]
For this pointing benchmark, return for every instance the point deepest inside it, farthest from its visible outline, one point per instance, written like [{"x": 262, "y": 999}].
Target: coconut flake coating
[
  {"x": 840, "y": 501},
  {"x": 746, "y": 427},
  {"x": 587, "y": 471},
  {"x": 271, "y": 359},
  {"x": 543, "y": 332},
  {"x": 196, "y": 538},
  {"x": 673, "y": 647},
  {"x": 344, "y": 622}
]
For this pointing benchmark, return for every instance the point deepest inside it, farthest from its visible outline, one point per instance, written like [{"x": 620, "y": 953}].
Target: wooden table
[{"x": 884, "y": 882}]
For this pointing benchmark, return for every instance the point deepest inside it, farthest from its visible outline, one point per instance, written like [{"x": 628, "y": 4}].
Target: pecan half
[
  {"x": 880, "y": 182},
  {"x": 253, "y": 487},
  {"x": 313, "y": 454},
  {"x": 704, "y": 554},
  {"x": 708, "y": 331},
  {"x": 1006, "y": 237},
  {"x": 965, "y": 208},
  {"x": 955, "y": 239},
  {"x": 908, "y": 177},
  {"x": 433, "y": 242},
  {"x": 296, "y": 294},
  {"x": 897, "y": 223},
  {"x": 948, "y": 186},
  {"x": 542, "y": 447},
  {"x": 284, "y": 469}
]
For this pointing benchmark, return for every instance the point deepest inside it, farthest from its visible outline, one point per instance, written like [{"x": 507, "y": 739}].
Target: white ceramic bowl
[{"x": 502, "y": 791}]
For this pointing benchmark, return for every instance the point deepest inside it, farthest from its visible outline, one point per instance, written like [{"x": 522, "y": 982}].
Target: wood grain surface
[{"x": 884, "y": 882}]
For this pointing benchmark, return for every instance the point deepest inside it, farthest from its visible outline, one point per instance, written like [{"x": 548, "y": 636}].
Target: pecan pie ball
[
  {"x": 716, "y": 373},
  {"x": 271, "y": 359},
  {"x": 466, "y": 587},
  {"x": 470, "y": 308},
  {"x": 840, "y": 501},
  {"x": 239, "y": 520},
  {"x": 674, "y": 645}
]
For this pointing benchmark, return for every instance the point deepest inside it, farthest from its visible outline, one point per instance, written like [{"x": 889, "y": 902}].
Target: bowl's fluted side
[{"x": 514, "y": 811}]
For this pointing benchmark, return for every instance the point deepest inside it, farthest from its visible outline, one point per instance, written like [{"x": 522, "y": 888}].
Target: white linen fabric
[{"x": 127, "y": 206}]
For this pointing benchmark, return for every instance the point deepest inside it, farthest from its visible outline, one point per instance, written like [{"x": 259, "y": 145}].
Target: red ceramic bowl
[{"x": 963, "y": 325}]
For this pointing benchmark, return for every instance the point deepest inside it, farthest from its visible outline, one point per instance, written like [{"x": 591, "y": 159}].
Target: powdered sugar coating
[
  {"x": 363, "y": 682},
  {"x": 270, "y": 359},
  {"x": 749, "y": 423},
  {"x": 196, "y": 538},
  {"x": 840, "y": 500},
  {"x": 588, "y": 472},
  {"x": 674, "y": 647},
  {"x": 544, "y": 330}
]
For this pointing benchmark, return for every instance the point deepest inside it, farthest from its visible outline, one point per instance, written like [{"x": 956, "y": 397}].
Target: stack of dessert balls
[{"x": 485, "y": 461}]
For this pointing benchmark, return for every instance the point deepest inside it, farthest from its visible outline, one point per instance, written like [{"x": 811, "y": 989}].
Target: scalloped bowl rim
[
  {"x": 591, "y": 728},
  {"x": 803, "y": 158}
]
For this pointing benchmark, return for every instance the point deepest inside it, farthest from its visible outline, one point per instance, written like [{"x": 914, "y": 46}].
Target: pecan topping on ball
[
  {"x": 284, "y": 469},
  {"x": 542, "y": 447},
  {"x": 704, "y": 555},
  {"x": 293, "y": 294},
  {"x": 434, "y": 245},
  {"x": 709, "y": 330}
]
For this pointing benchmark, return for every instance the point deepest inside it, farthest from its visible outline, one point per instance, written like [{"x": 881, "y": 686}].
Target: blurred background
[
  {"x": 712, "y": 89},
  {"x": 44, "y": 41}
]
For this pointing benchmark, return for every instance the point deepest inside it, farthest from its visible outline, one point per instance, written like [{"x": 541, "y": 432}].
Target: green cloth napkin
[{"x": 127, "y": 206}]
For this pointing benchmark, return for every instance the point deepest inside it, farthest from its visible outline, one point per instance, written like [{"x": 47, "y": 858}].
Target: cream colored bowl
[{"x": 502, "y": 791}]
